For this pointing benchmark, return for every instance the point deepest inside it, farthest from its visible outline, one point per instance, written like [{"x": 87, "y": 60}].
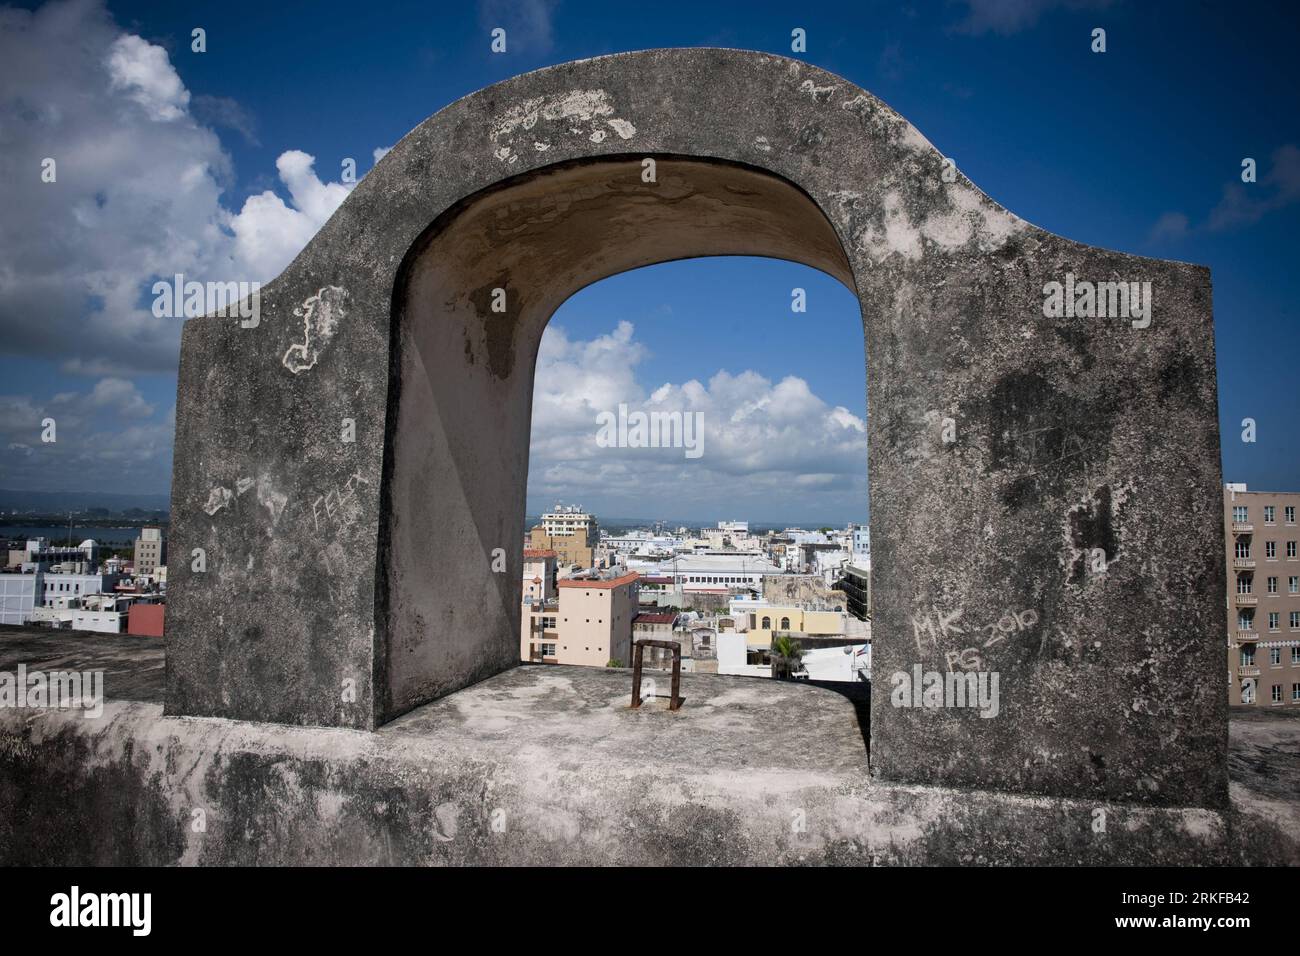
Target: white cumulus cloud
[
  {"x": 769, "y": 446},
  {"x": 139, "y": 192}
]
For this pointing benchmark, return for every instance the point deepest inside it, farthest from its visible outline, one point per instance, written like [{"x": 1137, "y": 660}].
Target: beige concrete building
[
  {"x": 766, "y": 621},
  {"x": 575, "y": 547},
  {"x": 590, "y": 623},
  {"x": 1263, "y": 545},
  {"x": 148, "y": 550},
  {"x": 570, "y": 532}
]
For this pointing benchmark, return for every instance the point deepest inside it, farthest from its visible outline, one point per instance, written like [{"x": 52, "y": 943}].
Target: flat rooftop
[{"x": 580, "y": 777}]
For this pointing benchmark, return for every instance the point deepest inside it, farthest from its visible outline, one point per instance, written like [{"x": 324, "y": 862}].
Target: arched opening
[{"x": 472, "y": 299}]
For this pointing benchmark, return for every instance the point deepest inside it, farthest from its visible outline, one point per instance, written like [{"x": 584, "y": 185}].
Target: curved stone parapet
[{"x": 1043, "y": 434}]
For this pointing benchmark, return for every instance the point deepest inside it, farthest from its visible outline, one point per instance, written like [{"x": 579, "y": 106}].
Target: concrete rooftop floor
[{"x": 714, "y": 782}]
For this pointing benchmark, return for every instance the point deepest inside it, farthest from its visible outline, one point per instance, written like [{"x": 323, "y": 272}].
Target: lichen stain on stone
[
  {"x": 1094, "y": 524},
  {"x": 591, "y": 107},
  {"x": 498, "y": 327},
  {"x": 820, "y": 94},
  {"x": 1091, "y": 527},
  {"x": 965, "y": 218},
  {"x": 218, "y": 498}
]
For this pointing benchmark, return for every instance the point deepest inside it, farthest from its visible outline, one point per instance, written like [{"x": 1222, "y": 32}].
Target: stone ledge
[{"x": 547, "y": 765}]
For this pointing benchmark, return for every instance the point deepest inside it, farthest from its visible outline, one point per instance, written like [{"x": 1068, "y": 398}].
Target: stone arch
[
  {"x": 531, "y": 241},
  {"x": 1008, "y": 447}
]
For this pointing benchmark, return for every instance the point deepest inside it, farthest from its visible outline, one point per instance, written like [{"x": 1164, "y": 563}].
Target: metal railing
[{"x": 638, "y": 651}]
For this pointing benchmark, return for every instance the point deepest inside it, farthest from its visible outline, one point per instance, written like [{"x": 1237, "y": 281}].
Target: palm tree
[{"x": 787, "y": 655}]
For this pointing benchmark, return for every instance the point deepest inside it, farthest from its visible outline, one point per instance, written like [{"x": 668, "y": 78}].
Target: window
[
  {"x": 785, "y": 624},
  {"x": 1295, "y": 693},
  {"x": 1245, "y": 583},
  {"x": 1274, "y": 620},
  {"x": 1272, "y": 585},
  {"x": 1247, "y": 657},
  {"x": 1289, "y": 512},
  {"x": 1277, "y": 693},
  {"x": 1295, "y": 655},
  {"x": 1269, "y": 514},
  {"x": 1275, "y": 656},
  {"x": 1242, "y": 549},
  {"x": 1239, "y": 514},
  {"x": 1270, "y": 550},
  {"x": 1295, "y": 620},
  {"x": 1290, "y": 549},
  {"x": 767, "y": 623},
  {"x": 1293, "y": 584},
  {"x": 1245, "y": 620}
]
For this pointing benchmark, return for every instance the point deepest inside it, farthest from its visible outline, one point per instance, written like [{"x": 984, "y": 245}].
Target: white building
[
  {"x": 828, "y": 564},
  {"x": 848, "y": 663},
  {"x": 717, "y": 571},
  {"x": 18, "y": 596},
  {"x": 41, "y": 555},
  {"x": 74, "y": 585},
  {"x": 641, "y": 544},
  {"x": 733, "y": 657},
  {"x": 862, "y": 547}
]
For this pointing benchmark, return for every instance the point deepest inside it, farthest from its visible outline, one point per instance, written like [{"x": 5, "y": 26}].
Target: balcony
[
  {"x": 1247, "y": 600},
  {"x": 1243, "y": 564},
  {"x": 1252, "y": 671},
  {"x": 1247, "y": 637},
  {"x": 1243, "y": 527}
]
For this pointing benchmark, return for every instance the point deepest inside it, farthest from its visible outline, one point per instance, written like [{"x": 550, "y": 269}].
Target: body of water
[{"x": 58, "y": 534}]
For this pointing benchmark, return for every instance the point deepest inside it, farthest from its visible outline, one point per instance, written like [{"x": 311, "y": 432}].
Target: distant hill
[{"x": 53, "y": 502}]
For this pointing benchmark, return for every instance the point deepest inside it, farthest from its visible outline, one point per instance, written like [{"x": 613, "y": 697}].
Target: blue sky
[{"x": 1137, "y": 149}]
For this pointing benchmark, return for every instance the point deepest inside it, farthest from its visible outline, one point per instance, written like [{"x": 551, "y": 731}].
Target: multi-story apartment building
[
  {"x": 148, "y": 550},
  {"x": 590, "y": 623},
  {"x": 565, "y": 520},
  {"x": 855, "y": 582},
  {"x": 1263, "y": 545},
  {"x": 568, "y": 531}
]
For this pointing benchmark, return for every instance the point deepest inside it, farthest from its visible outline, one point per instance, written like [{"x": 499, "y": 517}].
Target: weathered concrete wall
[
  {"x": 547, "y": 765},
  {"x": 1012, "y": 455},
  {"x": 803, "y": 589}
]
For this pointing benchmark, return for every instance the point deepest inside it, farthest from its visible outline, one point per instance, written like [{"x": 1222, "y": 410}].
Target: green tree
[{"x": 787, "y": 655}]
